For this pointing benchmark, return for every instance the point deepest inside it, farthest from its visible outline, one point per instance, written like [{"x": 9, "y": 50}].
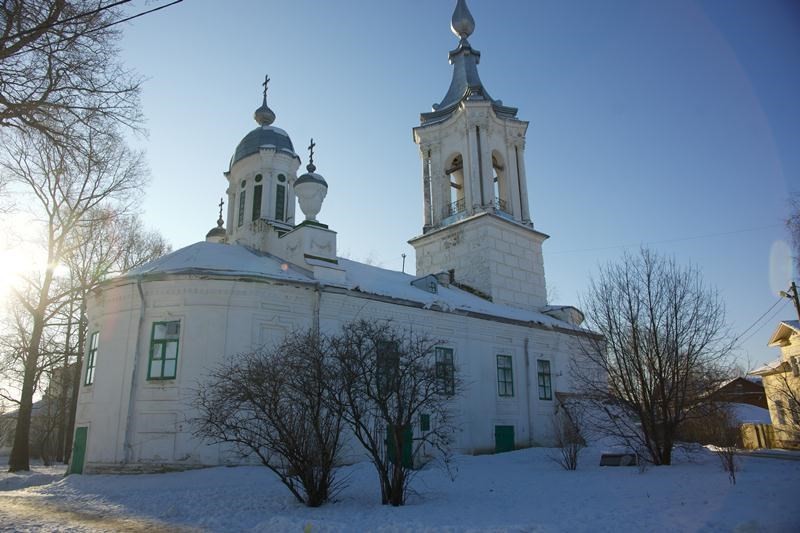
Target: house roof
[
  {"x": 784, "y": 330},
  {"x": 231, "y": 260},
  {"x": 769, "y": 368}
]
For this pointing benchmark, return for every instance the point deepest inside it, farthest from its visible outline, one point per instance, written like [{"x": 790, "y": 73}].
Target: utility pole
[{"x": 792, "y": 294}]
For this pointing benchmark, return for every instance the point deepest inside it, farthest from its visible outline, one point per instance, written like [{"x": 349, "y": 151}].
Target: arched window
[
  {"x": 242, "y": 197},
  {"x": 257, "y": 197},
  {"x": 455, "y": 173},
  {"x": 280, "y": 198},
  {"x": 502, "y": 200}
]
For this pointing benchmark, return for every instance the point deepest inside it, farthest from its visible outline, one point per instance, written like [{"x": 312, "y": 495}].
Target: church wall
[
  {"x": 220, "y": 318},
  {"x": 492, "y": 255},
  {"x": 476, "y": 344}
]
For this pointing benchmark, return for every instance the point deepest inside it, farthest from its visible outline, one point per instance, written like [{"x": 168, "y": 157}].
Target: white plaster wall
[
  {"x": 224, "y": 317},
  {"x": 495, "y": 256}
]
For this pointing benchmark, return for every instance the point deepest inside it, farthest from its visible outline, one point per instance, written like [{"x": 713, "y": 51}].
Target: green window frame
[
  {"x": 242, "y": 198},
  {"x": 387, "y": 367},
  {"x": 505, "y": 376},
  {"x": 424, "y": 422},
  {"x": 445, "y": 370},
  {"x": 164, "y": 341},
  {"x": 545, "y": 379},
  {"x": 257, "y": 202},
  {"x": 280, "y": 202},
  {"x": 91, "y": 358}
]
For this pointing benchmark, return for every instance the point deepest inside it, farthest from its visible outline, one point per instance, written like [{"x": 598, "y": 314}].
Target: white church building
[{"x": 479, "y": 287}]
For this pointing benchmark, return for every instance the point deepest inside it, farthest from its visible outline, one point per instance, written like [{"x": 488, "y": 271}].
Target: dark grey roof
[
  {"x": 310, "y": 177},
  {"x": 465, "y": 85},
  {"x": 262, "y": 136},
  {"x": 216, "y": 232}
]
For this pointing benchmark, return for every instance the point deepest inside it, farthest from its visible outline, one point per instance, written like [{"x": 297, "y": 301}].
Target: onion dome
[
  {"x": 265, "y": 135},
  {"x": 311, "y": 177}
]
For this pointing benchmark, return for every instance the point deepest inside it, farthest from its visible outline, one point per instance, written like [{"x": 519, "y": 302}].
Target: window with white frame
[{"x": 163, "y": 363}]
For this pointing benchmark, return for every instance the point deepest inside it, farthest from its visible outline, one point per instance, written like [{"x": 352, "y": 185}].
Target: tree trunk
[{"x": 20, "y": 451}]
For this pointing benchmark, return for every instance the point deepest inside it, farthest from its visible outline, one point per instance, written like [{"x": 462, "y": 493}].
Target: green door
[
  {"x": 78, "y": 451},
  {"x": 407, "y": 442},
  {"x": 503, "y": 439}
]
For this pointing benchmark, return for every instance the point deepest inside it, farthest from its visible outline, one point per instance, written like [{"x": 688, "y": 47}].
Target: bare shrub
[
  {"x": 395, "y": 393},
  {"x": 569, "y": 440},
  {"x": 275, "y": 404}
]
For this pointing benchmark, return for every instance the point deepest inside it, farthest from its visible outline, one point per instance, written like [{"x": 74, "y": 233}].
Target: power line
[
  {"x": 68, "y": 19},
  {"x": 679, "y": 239},
  {"x": 143, "y": 13},
  {"x": 785, "y": 303},
  {"x": 779, "y": 300},
  {"x": 92, "y": 30}
]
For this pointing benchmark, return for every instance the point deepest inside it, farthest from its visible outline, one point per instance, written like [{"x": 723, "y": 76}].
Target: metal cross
[
  {"x": 265, "y": 85},
  {"x": 311, "y": 151},
  {"x": 221, "y": 203}
]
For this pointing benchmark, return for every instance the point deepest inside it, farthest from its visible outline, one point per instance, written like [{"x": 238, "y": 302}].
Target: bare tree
[
  {"x": 66, "y": 189},
  {"x": 275, "y": 404},
  {"x": 58, "y": 69},
  {"x": 113, "y": 244},
  {"x": 664, "y": 346},
  {"x": 396, "y": 393}
]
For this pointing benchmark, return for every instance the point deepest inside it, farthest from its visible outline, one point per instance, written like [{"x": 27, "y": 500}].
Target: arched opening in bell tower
[
  {"x": 502, "y": 198},
  {"x": 455, "y": 175}
]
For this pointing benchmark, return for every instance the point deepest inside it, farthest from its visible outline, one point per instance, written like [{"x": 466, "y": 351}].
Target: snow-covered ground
[{"x": 518, "y": 491}]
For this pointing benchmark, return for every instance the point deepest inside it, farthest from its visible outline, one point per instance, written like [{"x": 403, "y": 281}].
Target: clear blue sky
[{"x": 649, "y": 122}]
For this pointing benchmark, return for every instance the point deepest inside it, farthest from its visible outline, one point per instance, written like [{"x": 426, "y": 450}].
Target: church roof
[
  {"x": 267, "y": 136},
  {"x": 230, "y": 260},
  {"x": 466, "y": 83}
]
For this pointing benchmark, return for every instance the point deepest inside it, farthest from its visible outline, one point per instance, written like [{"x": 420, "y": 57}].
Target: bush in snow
[
  {"x": 276, "y": 405},
  {"x": 394, "y": 389},
  {"x": 569, "y": 440}
]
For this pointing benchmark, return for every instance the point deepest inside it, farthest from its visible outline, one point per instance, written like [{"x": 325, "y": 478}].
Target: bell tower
[{"x": 476, "y": 218}]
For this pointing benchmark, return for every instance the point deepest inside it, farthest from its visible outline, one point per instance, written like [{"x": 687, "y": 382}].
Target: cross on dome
[
  {"x": 264, "y": 115},
  {"x": 311, "y": 167}
]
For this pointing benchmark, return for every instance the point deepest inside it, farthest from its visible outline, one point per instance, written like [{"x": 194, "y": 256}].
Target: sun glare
[{"x": 17, "y": 256}]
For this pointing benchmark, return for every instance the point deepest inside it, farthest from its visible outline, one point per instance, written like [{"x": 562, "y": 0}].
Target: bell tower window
[
  {"x": 501, "y": 196},
  {"x": 280, "y": 198},
  {"x": 455, "y": 173},
  {"x": 257, "y": 198}
]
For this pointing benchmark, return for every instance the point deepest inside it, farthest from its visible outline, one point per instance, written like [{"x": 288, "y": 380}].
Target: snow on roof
[
  {"x": 784, "y": 330},
  {"x": 746, "y": 413},
  {"x": 221, "y": 259},
  {"x": 375, "y": 280},
  {"x": 235, "y": 260},
  {"x": 769, "y": 367}
]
